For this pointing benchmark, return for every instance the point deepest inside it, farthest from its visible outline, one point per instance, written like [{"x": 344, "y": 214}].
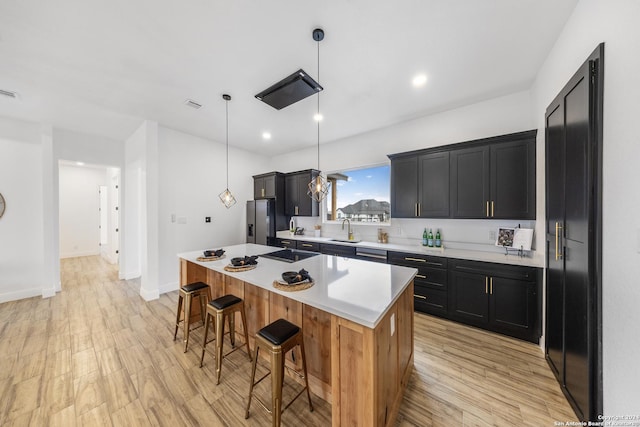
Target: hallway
[{"x": 97, "y": 354}]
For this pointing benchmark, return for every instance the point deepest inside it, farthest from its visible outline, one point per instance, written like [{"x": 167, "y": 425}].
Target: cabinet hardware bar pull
[
  {"x": 491, "y": 286},
  {"x": 419, "y": 296},
  {"x": 414, "y": 259},
  {"x": 492, "y": 209},
  {"x": 558, "y": 227},
  {"x": 416, "y": 209},
  {"x": 419, "y": 209},
  {"x": 262, "y": 192},
  {"x": 286, "y": 242},
  {"x": 487, "y": 208},
  {"x": 486, "y": 285},
  {"x": 307, "y": 245},
  {"x": 420, "y": 276}
]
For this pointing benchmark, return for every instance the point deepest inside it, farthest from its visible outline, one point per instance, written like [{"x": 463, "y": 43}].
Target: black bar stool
[
  {"x": 217, "y": 310},
  {"x": 278, "y": 338},
  {"x": 187, "y": 293}
]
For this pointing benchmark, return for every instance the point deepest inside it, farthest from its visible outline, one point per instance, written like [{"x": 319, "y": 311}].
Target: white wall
[
  {"x": 21, "y": 227},
  {"x": 80, "y": 209},
  {"x": 615, "y": 23},
  {"x": 507, "y": 114},
  {"x": 193, "y": 174}
]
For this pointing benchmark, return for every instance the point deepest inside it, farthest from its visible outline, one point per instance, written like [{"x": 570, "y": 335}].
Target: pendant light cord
[
  {"x": 227, "y": 137},
  {"x": 318, "y": 43}
]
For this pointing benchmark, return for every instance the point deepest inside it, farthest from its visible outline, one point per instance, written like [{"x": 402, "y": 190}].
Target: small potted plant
[{"x": 317, "y": 229}]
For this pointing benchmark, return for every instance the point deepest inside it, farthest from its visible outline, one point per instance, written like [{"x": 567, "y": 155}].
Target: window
[{"x": 360, "y": 195}]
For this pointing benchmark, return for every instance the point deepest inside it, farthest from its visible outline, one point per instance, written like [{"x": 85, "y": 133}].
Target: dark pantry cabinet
[{"x": 573, "y": 234}]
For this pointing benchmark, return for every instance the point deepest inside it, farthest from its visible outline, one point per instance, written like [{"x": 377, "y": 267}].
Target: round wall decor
[{"x": 3, "y": 205}]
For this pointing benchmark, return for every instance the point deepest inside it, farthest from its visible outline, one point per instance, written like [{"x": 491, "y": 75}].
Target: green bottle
[
  {"x": 424, "y": 237},
  {"x": 438, "y": 239},
  {"x": 430, "y": 239}
]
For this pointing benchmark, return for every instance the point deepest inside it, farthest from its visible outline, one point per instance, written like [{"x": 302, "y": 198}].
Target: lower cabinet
[
  {"x": 308, "y": 246},
  {"x": 338, "y": 250},
  {"x": 501, "y": 298},
  {"x": 285, "y": 243}
]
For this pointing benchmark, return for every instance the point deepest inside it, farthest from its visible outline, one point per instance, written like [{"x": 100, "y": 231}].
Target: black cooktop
[{"x": 289, "y": 255}]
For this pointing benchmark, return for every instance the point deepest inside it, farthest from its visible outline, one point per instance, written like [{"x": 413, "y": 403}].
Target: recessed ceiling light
[
  {"x": 419, "y": 80},
  {"x": 317, "y": 117},
  {"x": 79, "y": 163},
  {"x": 266, "y": 136}
]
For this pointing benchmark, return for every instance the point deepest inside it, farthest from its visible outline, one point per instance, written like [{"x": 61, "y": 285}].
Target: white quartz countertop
[
  {"x": 356, "y": 290},
  {"x": 497, "y": 257}
]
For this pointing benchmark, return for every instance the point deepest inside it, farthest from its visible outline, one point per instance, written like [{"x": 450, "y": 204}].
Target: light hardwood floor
[{"x": 97, "y": 354}]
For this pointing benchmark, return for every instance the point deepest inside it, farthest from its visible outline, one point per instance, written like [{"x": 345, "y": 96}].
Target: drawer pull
[
  {"x": 420, "y": 276},
  {"x": 420, "y": 296},
  {"x": 307, "y": 245},
  {"x": 415, "y": 259},
  {"x": 285, "y": 242}
]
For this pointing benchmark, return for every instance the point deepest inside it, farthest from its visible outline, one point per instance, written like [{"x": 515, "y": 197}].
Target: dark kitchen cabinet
[
  {"x": 420, "y": 186},
  {"x": 297, "y": 201},
  {"x": 308, "y": 246},
  {"x": 338, "y": 250},
  {"x": 285, "y": 243},
  {"x": 501, "y": 298},
  {"x": 268, "y": 186},
  {"x": 495, "y": 179},
  {"x": 430, "y": 283}
]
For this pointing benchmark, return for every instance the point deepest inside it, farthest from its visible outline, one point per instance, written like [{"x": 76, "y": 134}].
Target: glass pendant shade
[
  {"x": 318, "y": 188},
  {"x": 227, "y": 198}
]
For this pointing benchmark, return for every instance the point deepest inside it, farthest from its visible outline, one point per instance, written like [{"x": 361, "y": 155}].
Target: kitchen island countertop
[{"x": 356, "y": 290}]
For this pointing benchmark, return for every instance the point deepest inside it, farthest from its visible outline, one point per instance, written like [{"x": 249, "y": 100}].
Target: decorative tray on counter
[
  {"x": 211, "y": 255},
  {"x": 234, "y": 269},
  {"x": 292, "y": 287}
]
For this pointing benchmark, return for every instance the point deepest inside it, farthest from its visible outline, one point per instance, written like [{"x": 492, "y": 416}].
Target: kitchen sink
[{"x": 345, "y": 241}]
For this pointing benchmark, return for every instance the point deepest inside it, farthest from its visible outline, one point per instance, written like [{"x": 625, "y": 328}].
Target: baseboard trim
[
  {"x": 149, "y": 295},
  {"x": 169, "y": 287},
  {"x": 21, "y": 294},
  {"x": 79, "y": 254},
  {"x": 131, "y": 275}
]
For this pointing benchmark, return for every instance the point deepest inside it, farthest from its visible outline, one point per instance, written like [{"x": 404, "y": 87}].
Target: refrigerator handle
[{"x": 250, "y": 230}]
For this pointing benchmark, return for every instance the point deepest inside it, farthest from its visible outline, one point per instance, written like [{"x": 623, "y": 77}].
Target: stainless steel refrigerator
[{"x": 261, "y": 221}]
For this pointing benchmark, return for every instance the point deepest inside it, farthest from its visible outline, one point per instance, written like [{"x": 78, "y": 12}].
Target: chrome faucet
[{"x": 348, "y": 228}]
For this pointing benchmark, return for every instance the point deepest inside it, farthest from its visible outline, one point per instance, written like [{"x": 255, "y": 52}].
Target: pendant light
[
  {"x": 226, "y": 197},
  {"x": 318, "y": 188}
]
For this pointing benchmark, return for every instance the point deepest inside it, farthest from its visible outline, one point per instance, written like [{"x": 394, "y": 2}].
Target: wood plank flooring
[{"x": 97, "y": 354}]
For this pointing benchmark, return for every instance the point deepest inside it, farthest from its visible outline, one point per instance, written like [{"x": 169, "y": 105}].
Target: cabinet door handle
[
  {"x": 492, "y": 209},
  {"x": 487, "y": 209},
  {"x": 414, "y": 259},
  {"x": 420, "y": 276},
  {"x": 262, "y": 192},
  {"x": 491, "y": 286},
  {"x": 296, "y": 210},
  {"x": 419, "y": 296},
  {"x": 558, "y": 227},
  {"x": 415, "y": 209},
  {"x": 419, "y": 209},
  {"x": 486, "y": 285}
]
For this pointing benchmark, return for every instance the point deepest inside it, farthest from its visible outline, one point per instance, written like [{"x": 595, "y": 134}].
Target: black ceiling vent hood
[{"x": 289, "y": 90}]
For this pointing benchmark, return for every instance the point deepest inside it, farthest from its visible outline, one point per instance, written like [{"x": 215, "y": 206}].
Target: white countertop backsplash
[{"x": 463, "y": 239}]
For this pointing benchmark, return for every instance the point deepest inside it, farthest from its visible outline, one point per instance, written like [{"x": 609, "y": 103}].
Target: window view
[{"x": 360, "y": 195}]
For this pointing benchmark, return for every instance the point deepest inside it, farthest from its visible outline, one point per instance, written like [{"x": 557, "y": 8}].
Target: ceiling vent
[
  {"x": 289, "y": 90},
  {"x": 8, "y": 94},
  {"x": 193, "y": 104}
]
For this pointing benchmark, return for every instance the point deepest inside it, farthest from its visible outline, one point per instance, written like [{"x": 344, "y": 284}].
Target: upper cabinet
[
  {"x": 420, "y": 186},
  {"x": 488, "y": 178},
  {"x": 297, "y": 202},
  {"x": 268, "y": 186}
]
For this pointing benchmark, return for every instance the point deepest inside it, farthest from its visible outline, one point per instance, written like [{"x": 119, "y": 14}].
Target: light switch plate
[{"x": 492, "y": 235}]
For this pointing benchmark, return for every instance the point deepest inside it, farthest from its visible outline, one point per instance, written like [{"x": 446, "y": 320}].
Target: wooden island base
[{"x": 361, "y": 371}]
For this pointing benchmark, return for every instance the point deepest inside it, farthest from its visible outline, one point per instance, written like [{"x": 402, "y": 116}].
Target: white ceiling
[{"x": 103, "y": 66}]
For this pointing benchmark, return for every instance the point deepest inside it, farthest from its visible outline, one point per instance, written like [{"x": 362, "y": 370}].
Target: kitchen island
[{"x": 357, "y": 322}]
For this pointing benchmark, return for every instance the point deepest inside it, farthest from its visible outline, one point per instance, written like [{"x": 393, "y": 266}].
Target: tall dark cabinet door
[
  {"x": 404, "y": 187},
  {"x": 512, "y": 170},
  {"x": 470, "y": 182},
  {"x": 574, "y": 212},
  {"x": 433, "y": 198}
]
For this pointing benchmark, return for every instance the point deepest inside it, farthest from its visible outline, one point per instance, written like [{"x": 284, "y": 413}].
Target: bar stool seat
[
  {"x": 278, "y": 338},
  {"x": 186, "y": 294},
  {"x": 217, "y": 310}
]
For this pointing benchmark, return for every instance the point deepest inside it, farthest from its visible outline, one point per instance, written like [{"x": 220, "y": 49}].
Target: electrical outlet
[
  {"x": 207, "y": 219},
  {"x": 173, "y": 217},
  {"x": 492, "y": 235}
]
